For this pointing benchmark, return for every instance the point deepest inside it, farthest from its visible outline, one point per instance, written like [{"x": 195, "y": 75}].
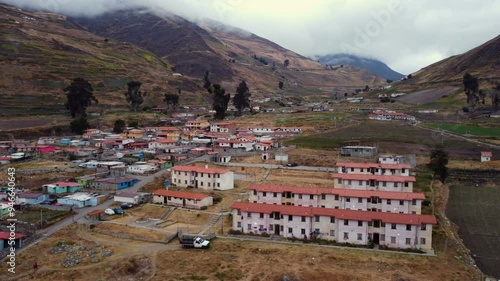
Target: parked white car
[{"x": 109, "y": 212}]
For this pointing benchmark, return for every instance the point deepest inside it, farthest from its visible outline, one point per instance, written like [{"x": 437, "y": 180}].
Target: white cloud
[{"x": 406, "y": 34}]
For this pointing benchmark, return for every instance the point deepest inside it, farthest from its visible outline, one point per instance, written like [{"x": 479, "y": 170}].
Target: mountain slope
[
  {"x": 374, "y": 66},
  {"x": 229, "y": 54},
  {"x": 40, "y": 53},
  {"x": 482, "y": 61}
]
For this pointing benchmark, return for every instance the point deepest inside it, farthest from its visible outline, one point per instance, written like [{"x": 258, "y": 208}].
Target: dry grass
[
  {"x": 475, "y": 165},
  {"x": 297, "y": 177},
  {"x": 144, "y": 212},
  {"x": 132, "y": 231}
]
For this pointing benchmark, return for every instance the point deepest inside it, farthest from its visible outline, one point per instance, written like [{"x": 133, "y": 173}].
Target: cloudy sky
[{"x": 405, "y": 34}]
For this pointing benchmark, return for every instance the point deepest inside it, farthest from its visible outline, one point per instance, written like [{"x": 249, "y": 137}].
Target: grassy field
[
  {"x": 467, "y": 130},
  {"x": 476, "y": 211}
]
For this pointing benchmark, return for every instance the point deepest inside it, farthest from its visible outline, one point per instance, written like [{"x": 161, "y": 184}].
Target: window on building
[
  {"x": 316, "y": 218},
  {"x": 218, "y": 184},
  {"x": 239, "y": 224},
  {"x": 208, "y": 184},
  {"x": 401, "y": 202},
  {"x": 311, "y": 197},
  {"x": 249, "y": 227},
  {"x": 388, "y": 201},
  {"x": 339, "y": 181},
  {"x": 408, "y": 227},
  {"x": 423, "y": 227},
  {"x": 360, "y": 200},
  {"x": 290, "y": 217},
  {"x": 303, "y": 219},
  {"x": 249, "y": 215},
  {"x": 208, "y": 175},
  {"x": 396, "y": 184},
  {"x": 382, "y": 237},
  {"x": 323, "y": 196},
  {"x": 352, "y": 169},
  {"x": 360, "y": 223},
  {"x": 255, "y": 192},
  {"x": 348, "y": 199},
  {"x": 332, "y": 233},
  {"x": 349, "y": 182},
  {"x": 422, "y": 240},
  {"x": 302, "y": 231},
  {"x": 271, "y": 228},
  {"x": 414, "y": 202},
  {"x": 185, "y": 182},
  {"x": 300, "y": 196},
  {"x": 407, "y": 184},
  {"x": 346, "y": 222},
  {"x": 336, "y": 197},
  {"x": 275, "y": 194},
  {"x": 346, "y": 235},
  {"x": 290, "y": 230},
  {"x": 393, "y": 226},
  {"x": 393, "y": 239},
  {"x": 264, "y": 194},
  {"x": 332, "y": 219},
  {"x": 201, "y": 183},
  {"x": 261, "y": 215},
  {"x": 360, "y": 236}
]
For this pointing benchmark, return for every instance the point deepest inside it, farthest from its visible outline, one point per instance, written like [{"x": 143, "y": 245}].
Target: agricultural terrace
[
  {"x": 467, "y": 130},
  {"x": 476, "y": 211}
]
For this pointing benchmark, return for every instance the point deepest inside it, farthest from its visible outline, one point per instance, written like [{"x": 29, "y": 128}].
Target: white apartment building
[
  {"x": 357, "y": 227},
  {"x": 374, "y": 182},
  {"x": 203, "y": 177},
  {"x": 381, "y": 169},
  {"x": 336, "y": 198}
]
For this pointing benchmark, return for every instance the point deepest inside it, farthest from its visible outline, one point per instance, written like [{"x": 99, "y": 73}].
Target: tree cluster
[
  {"x": 241, "y": 99},
  {"x": 172, "y": 99},
  {"x": 438, "y": 162},
  {"x": 133, "y": 95},
  {"x": 219, "y": 96},
  {"x": 262, "y": 60},
  {"x": 80, "y": 95}
]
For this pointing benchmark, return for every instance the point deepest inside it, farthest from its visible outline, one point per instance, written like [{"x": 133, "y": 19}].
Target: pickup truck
[{"x": 194, "y": 242}]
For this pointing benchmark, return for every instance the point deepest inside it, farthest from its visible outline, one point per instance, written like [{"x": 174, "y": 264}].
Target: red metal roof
[
  {"x": 180, "y": 194},
  {"x": 486, "y": 154},
  {"x": 374, "y": 177},
  {"x": 337, "y": 213},
  {"x": 64, "y": 184},
  {"x": 200, "y": 169},
  {"x": 338, "y": 191},
  {"x": 373, "y": 165},
  {"x": 165, "y": 141},
  {"x": 6, "y": 235}
]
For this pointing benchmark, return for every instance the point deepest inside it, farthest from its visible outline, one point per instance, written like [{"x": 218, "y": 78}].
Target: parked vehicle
[
  {"x": 291, "y": 164},
  {"x": 109, "y": 212},
  {"x": 118, "y": 211},
  {"x": 194, "y": 242},
  {"x": 126, "y": 205}
]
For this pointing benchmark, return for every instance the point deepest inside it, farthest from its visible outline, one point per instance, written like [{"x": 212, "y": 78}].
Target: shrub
[
  {"x": 235, "y": 232},
  {"x": 202, "y": 208},
  {"x": 265, "y": 234}
]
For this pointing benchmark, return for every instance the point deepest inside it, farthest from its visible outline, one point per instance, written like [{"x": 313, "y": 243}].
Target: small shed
[
  {"x": 5, "y": 238},
  {"x": 486, "y": 156},
  {"x": 95, "y": 215},
  {"x": 131, "y": 197}
]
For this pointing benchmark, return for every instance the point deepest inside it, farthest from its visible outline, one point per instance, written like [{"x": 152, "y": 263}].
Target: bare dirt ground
[
  {"x": 25, "y": 123},
  {"x": 427, "y": 96},
  {"x": 300, "y": 178},
  {"x": 229, "y": 260}
]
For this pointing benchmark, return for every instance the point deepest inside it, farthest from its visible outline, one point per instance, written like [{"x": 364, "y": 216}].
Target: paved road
[{"x": 80, "y": 213}]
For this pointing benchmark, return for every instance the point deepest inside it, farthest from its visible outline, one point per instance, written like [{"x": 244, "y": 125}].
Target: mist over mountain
[{"x": 374, "y": 66}]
